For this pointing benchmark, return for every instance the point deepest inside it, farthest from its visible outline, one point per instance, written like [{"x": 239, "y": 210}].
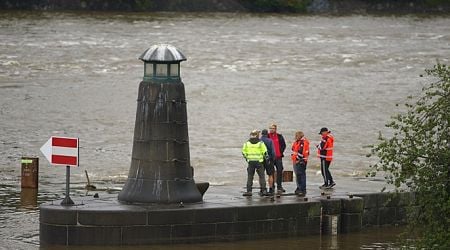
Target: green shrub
[{"x": 417, "y": 156}]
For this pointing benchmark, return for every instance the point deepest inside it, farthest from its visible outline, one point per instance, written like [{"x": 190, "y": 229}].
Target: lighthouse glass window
[
  {"x": 161, "y": 69},
  {"x": 174, "y": 70},
  {"x": 148, "y": 69}
]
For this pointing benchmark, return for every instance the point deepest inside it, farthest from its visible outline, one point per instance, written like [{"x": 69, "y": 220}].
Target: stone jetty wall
[
  {"x": 107, "y": 222},
  {"x": 386, "y": 208}
]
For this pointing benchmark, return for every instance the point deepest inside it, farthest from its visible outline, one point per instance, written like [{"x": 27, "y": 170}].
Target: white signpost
[{"x": 63, "y": 151}]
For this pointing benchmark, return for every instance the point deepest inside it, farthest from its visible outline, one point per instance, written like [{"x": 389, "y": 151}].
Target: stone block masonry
[
  {"x": 386, "y": 208},
  {"x": 108, "y": 222}
]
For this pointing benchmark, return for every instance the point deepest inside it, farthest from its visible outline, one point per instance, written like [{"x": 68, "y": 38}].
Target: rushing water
[{"x": 76, "y": 74}]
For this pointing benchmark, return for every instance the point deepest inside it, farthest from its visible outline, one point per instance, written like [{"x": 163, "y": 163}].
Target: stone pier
[{"x": 223, "y": 216}]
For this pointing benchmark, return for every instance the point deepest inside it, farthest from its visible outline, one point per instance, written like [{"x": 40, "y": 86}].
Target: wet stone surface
[{"x": 222, "y": 216}]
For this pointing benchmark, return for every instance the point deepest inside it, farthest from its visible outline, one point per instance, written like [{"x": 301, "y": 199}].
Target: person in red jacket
[
  {"x": 279, "y": 145},
  {"x": 300, "y": 153},
  {"x": 325, "y": 153}
]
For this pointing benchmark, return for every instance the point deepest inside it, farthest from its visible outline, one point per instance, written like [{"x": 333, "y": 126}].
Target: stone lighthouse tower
[{"x": 160, "y": 169}]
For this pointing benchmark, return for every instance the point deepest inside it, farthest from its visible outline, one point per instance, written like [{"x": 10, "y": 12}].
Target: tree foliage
[
  {"x": 417, "y": 157},
  {"x": 294, "y": 6}
]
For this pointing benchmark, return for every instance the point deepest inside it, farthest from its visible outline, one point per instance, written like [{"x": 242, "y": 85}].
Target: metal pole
[
  {"x": 67, "y": 181},
  {"x": 67, "y": 201}
]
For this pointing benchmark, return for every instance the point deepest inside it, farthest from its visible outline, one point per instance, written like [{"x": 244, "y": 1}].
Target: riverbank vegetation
[
  {"x": 276, "y": 5},
  {"x": 271, "y": 6},
  {"x": 417, "y": 156}
]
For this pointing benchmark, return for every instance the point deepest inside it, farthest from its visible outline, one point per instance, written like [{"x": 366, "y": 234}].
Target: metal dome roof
[{"x": 162, "y": 53}]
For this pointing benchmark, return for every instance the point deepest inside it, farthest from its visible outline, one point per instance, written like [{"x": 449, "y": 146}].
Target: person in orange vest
[
  {"x": 300, "y": 153},
  {"x": 279, "y": 145},
  {"x": 325, "y": 153}
]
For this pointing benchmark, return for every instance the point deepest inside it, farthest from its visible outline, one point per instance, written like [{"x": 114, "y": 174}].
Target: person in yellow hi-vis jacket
[{"x": 254, "y": 152}]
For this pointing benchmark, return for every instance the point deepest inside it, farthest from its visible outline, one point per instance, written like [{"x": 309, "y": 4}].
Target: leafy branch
[{"x": 417, "y": 157}]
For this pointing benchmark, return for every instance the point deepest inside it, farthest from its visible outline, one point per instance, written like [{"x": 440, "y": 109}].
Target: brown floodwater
[{"x": 76, "y": 74}]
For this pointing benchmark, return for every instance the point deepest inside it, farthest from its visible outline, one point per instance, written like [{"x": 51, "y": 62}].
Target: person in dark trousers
[
  {"x": 254, "y": 152},
  {"x": 268, "y": 164},
  {"x": 325, "y": 153},
  {"x": 279, "y": 145},
  {"x": 300, "y": 153}
]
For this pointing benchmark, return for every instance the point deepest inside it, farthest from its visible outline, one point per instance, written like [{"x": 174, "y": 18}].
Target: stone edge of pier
[{"x": 107, "y": 222}]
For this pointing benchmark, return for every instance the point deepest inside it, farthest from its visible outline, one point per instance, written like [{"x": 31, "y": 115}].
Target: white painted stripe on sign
[{"x": 65, "y": 151}]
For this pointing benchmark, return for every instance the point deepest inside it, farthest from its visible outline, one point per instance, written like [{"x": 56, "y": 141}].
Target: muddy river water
[{"x": 76, "y": 74}]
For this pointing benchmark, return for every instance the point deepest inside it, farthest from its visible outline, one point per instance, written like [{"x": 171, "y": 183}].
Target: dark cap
[
  {"x": 264, "y": 132},
  {"x": 324, "y": 130}
]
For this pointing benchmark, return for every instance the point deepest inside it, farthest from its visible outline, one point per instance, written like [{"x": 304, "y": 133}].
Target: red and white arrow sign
[{"x": 61, "y": 151}]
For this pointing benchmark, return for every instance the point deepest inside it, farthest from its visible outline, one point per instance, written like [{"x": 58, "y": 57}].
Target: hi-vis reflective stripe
[
  {"x": 326, "y": 157},
  {"x": 253, "y": 157}
]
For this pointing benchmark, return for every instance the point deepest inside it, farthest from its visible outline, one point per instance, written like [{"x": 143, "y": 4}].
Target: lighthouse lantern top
[{"x": 162, "y": 62}]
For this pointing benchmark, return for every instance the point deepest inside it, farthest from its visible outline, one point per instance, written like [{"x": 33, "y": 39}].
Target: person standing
[
  {"x": 254, "y": 152},
  {"x": 279, "y": 145},
  {"x": 268, "y": 164},
  {"x": 300, "y": 153},
  {"x": 325, "y": 153}
]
